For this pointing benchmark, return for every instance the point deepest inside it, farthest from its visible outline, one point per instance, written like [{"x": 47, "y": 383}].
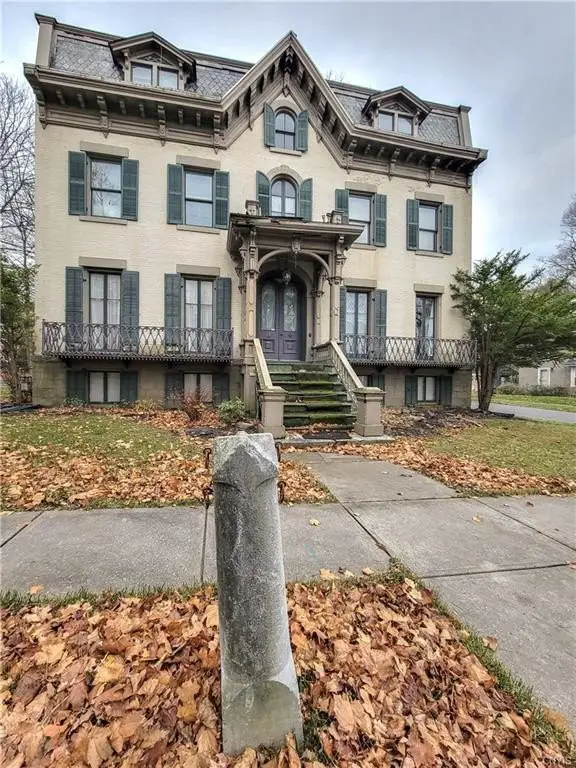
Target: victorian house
[{"x": 208, "y": 225}]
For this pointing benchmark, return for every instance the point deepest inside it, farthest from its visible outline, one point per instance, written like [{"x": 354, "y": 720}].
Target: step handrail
[
  {"x": 262, "y": 372},
  {"x": 347, "y": 375}
]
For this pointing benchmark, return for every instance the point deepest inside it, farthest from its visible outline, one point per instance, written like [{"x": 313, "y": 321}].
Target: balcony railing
[
  {"x": 402, "y": 350},
  {"x": 143, "y": 342}
]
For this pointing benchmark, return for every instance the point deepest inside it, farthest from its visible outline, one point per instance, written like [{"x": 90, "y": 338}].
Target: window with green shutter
[
  {"x": 380, "y": 220},
  {"x": 302, "y": 131},
  {"x": 128, "y": 386},
  {"x": 269, "y": 126},
  {"x": 130, "y": 189},
  {"x": 172, "y": 310},
  {"x": 342, "y": 200},
  {"x": 76, "y": 183},
  {"x": 130, "y": 310},
  {"x": 263, "y": 192},
  {"x": 175, "y": 194},
  {"x": 221, "y": 198},
  {"x": 447, "y": 228},
  {"x": 410, "y": 390},
  {"x": 283, "y": 129},
  {"x": 306, "y": 200},
  {"x": 412, "y": 210},
  {"x": 76, "y": 386},
  {"x": 198, "y": 198},
  {"x": 173, "y": 388}
]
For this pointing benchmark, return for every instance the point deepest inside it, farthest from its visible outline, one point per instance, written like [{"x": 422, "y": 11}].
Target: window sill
[
  {"x": 104, "y": 220},
  {"x": 191, "y": 228},
  {"x": 280, "y": 151},
  {"x": 365, "y": 246},
  {"x": 434, "y": 254}
]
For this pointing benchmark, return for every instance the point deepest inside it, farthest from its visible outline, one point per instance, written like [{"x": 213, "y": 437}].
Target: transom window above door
[
  {"x": 284, "y": 130},
  {"x": 283, "y": 198}
]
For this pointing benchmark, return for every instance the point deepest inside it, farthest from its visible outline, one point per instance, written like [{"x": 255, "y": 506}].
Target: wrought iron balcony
[
  {"x": 402, "y": 350},
  {"x": 143, "y": 342}
]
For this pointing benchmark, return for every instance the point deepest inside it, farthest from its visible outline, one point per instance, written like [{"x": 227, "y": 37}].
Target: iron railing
[
  {"x": 402, "y": 350},
  {"x": 142, "y": 342}
]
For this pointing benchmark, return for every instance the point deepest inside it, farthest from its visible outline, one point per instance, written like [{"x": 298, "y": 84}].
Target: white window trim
[
  {"x": 542, "y": 370},
  {"x": 95, "y": 157},
  {"x": 200, "y": 172}
]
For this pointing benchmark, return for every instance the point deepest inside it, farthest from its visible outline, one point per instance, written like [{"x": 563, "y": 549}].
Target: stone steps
[{"x": 314, "y": 394}]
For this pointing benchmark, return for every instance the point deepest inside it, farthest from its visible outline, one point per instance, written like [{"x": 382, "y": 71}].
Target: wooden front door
[{"x": 279, "y": 320}]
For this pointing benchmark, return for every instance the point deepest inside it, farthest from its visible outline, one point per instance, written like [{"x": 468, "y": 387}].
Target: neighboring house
[
  {"x": 549, "y": 375},
  {"x": 194, "y": 210}
]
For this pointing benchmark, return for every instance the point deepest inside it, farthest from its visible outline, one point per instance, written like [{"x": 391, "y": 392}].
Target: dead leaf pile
[
  {"x": 35, "y": 477},
  {"x": 136, "y": 682},
  {"x": 456, "y": 472}
]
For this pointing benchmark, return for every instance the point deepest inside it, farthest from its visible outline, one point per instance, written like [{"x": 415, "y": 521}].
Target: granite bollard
[{"x": 260, "y": 700}]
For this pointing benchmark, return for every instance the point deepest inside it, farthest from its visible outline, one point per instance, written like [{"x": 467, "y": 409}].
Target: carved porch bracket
[
  {"x": 104, "y": 119},
  {"x": 161, "y": 123}
]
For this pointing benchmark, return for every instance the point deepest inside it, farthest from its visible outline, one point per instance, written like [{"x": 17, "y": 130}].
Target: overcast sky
[{"x": 514, "y": 63}]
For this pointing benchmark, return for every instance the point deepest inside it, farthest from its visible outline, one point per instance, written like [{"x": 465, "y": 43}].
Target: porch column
[
  {"x": 335, "y": 308},
  {"x": 316, "y": 316}
]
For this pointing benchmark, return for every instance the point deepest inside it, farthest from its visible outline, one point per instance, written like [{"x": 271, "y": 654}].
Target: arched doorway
[{"x": 281, "y": 315}]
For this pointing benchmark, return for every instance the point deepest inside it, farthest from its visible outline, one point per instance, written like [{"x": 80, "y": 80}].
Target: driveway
[{"x": 538, "y": 414}]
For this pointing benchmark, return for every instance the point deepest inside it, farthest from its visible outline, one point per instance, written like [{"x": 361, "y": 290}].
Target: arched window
[
  {"x": 283, "y": 198},
  {"x": 284, "y": 130}
]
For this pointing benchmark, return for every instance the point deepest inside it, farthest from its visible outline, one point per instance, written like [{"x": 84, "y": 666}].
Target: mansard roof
[{"x": 224, "y": 96}]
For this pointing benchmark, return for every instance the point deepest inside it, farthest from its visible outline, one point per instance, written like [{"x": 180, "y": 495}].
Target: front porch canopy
[{"x": 255, "y": 240}]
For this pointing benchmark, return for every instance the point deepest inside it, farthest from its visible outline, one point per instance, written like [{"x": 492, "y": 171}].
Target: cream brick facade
[{"x": 152, "y": 247}]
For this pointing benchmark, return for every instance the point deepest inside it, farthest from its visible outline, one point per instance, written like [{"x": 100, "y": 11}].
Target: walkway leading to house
[
  {"x": 500, "y": 563},
  {"x": 538, "y": 414}
]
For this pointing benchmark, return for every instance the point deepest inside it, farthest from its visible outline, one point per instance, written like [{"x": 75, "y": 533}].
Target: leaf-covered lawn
[
  {"x": 536, "y": 447},
  {"x": 548, "y": 402},
  {"x": 120, "y": 458},
  {"x": 385, "y": 681}
]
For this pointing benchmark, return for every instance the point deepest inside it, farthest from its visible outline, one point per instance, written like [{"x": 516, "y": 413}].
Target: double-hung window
[
  {"x": 104, "y": 310},
  {"x": 283, "y": 198},
  {"x": 199, "y": 199},
  {"x": 360, "y": 212},
  {"x": 106, "y": 188},
  {"x": 427, "y": 227},
  {"x": 149, "y": 74},
  {"x": 198, "y": 314},
  {"x": 142, "y": 74},
  {"x": 199, "y": 385},
  {"x": 167, "y": 78},
  {"x": 284, "y": 130}
]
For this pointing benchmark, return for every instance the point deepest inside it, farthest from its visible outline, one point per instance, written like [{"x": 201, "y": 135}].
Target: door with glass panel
[
  {"x": 104, "y": 309},
  {"x": 356, "y": 338},
  {"x": 425, "y": 327},
  {"x": 279, "y": 321},
  {"x": 198, "y": 315}
]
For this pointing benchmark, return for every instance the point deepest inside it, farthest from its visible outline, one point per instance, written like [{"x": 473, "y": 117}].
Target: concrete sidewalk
[{"x": 500, "y": 563}]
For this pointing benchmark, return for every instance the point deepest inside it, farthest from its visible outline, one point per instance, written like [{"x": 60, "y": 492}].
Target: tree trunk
[{"x": 486, "y": 378}]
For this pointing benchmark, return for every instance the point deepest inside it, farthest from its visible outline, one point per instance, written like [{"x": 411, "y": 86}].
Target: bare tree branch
[
  {"x": 562, "y": 263},
  {"x": 16, "y": 171}
]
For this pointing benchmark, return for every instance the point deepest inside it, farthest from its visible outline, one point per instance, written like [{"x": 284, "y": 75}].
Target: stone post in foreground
[{"x": 260, "y": 701}]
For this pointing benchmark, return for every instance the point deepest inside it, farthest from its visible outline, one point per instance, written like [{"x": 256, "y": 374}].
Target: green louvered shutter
[
  {"x": 378, "y": 380},
  {"x": 130, "y": 189},
  {"x": 269, "y": 126},
  {"x": 222, "y": 314},
  {"x": 221, "y": 198},
  {"x": 411, "y": 390},
  {"x": 220, "y": 387},
  {"x": 175, "y": 194},
  {"x": 74, "y": 314},
  {"x": 76, "y": 385},
  {"x": 76, "y": 183},
  {"x": 302, "y": 131},
  {"x": 380, "y": 309},
  {"x": 447, "y": 224},
  {"x": 263, "y": 192},
  {"x": 342, "y": 313},
  {"x": 412, "y": 224},
  {"x": 445, "y": 390},
  {"x": 130, "y": 310},
  {"x": 342, "y": 198},
  {"x": 172, "y": 310},
  {"x": 128, "y": 386},
  {"x": 306, "y": 200},
  {"x": 380, "y": 220},
  {"x": 173, "y": 388}
]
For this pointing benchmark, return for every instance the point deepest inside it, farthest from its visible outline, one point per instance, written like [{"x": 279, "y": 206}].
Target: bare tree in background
[
  {"x": 562, "y": 264},
  {"x": 336, "y": 77},
  {"x": 16, "y": 172}
]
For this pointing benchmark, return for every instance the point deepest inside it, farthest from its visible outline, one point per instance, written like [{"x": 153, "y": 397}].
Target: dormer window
[
  {"x": 167, "y": 78},
  {"x": 393, "y": 121},
  {"x": 142, "y": 74},
  {"x": 148, "y": 74}
]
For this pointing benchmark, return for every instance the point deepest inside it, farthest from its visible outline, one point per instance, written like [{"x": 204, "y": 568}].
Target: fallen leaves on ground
[
  {"x": 136, "y": 682},
  {"x": 420, "y": 421},
  {"x": 36, "y": 477},
  {"x": 456, "y": 472}
]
